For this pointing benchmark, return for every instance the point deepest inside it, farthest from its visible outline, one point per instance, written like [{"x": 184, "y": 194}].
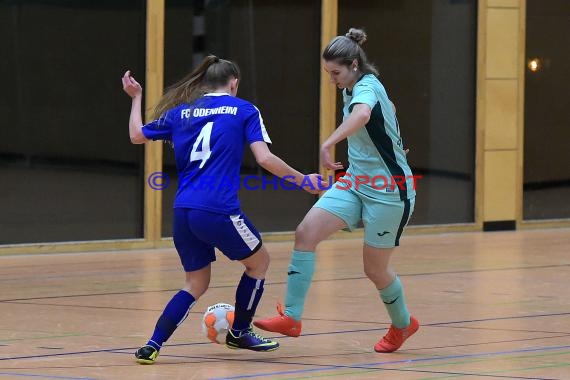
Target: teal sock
[
  {"x": 300, "y": 274},
  {"x": 395, "y": 302}
]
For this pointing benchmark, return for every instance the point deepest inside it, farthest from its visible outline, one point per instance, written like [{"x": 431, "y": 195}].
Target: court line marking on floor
[
  {"x": 491, "y": 373},
  {"x": 371, "y": 366},
  {"x": 367, "y": 368},
  {"x": 312, "y": 334},
  {"x": 44, "y": 376},
  {"x": 283, "y": 282},
  {"x": 418, "y": 360}
]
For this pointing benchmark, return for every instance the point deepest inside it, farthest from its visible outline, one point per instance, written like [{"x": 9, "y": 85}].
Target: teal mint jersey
[{"x": 376, "y": 151}]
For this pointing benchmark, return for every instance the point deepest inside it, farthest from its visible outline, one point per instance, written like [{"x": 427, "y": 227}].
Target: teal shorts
[{"x": 384, "y": 220}]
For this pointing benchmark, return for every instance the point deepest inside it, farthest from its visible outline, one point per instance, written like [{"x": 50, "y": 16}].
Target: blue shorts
[
  {"x": 197, "y": 232},
  {"x": 384, "y": 219}
]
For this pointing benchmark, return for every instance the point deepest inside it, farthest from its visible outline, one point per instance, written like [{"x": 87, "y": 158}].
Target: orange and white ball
[{"x": 217, "y": 320}]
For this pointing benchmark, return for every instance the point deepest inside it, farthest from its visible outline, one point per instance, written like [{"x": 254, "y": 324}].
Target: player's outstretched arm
[
  {"x": 134, "y": 90},
  {"x": 311, "y": 183},
  {"x": 357, "y": 119}
]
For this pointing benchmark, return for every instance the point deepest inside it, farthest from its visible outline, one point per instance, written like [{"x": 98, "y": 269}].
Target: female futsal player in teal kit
[{"x": 375, "y": 152}]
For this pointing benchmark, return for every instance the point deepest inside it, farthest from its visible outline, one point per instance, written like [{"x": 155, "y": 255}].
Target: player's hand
[
  {"x": 317, "y": 184},
  {"x": 131, "y": 86},
  {"x": 326, "y": 159}
]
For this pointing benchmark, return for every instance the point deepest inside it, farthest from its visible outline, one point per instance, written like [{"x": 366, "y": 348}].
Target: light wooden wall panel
[
  {"x": 153, "y": 92},
  {"x": 327, "y": 114},
  {"x": 501, "y": 114},
  {"x": 500, "y": 186},
  {"x": 503, "y": 3},
  {"x": 500, "y": 109},
  {"x": 502, "y": 43}
]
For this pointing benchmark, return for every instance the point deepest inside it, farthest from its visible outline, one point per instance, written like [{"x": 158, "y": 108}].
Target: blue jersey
[{"x": 209, "y": 137}]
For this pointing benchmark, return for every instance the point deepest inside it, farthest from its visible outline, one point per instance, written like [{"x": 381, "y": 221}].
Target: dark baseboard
[{"x": 500, "y": 225}]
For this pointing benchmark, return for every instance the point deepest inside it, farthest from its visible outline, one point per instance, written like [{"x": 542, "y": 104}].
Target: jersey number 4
[{"x": 204, "y": 138}]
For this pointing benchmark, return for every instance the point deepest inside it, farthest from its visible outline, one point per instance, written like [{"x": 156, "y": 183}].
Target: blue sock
[
  {"x": 395, "y": 302},
  {"x": 248, "y": 294},
  {"x": 300, "y": 275},
  {"x": 173, "y": 315}
]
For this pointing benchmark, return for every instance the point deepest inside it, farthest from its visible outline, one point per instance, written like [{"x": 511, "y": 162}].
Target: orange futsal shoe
[
  {"x": 282, "y": 324},
  {"x": 396, "y": 337}
]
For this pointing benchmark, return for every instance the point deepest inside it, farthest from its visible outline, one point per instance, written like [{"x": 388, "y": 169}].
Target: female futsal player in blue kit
[{"x": 209, "y": 128}]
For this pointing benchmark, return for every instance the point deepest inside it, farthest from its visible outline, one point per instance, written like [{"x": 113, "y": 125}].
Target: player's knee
[
  {"x": 264, "y": 262},
  {"x": 369, "y": 273},
  {"x": 258, "y": 263},
  {"x": 304, "y": 237},
  {"x": 380, "y": 277},
  {"x": 196, "y": 289}
]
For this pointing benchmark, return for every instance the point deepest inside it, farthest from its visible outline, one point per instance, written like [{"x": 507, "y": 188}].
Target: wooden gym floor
[{"x": 491, "y": 305}]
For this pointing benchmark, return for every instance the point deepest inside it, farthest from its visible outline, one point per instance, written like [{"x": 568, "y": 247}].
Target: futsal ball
[{"x": 217, "y": 321}]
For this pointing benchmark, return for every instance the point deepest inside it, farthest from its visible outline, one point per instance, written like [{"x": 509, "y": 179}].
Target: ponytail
[{"x": 212, "y": 73}]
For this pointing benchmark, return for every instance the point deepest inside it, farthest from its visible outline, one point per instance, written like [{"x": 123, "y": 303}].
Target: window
[
  {"x": 68, "y": 170},
  {"x": 425, "y": 52},
  {"x": 546, "y": 188}
]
